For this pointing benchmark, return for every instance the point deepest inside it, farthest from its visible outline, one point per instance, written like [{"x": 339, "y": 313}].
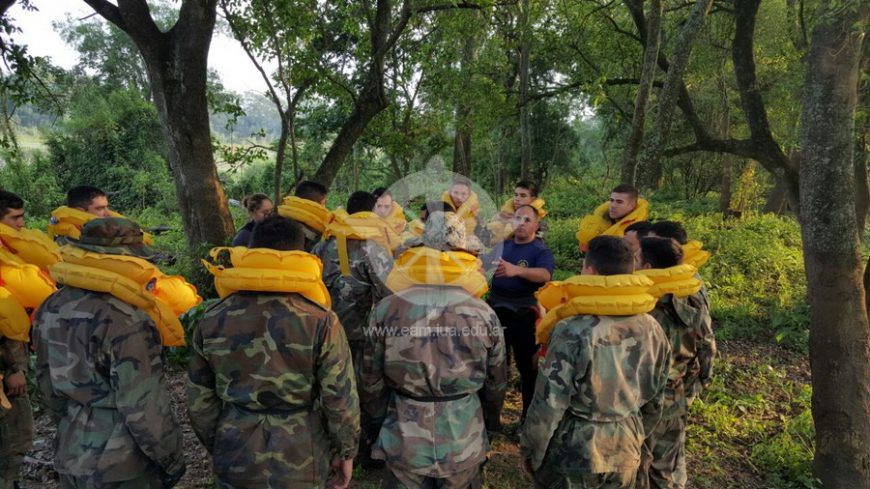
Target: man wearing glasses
[{"x": 524, "y": 266}]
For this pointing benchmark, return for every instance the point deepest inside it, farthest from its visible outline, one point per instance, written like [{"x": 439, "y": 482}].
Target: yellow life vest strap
[
  {"x": 679, "y": 280},
  {"x": 125, "y": 290},
  {"x": 361, "y": 226},
  {"x": 427, "y": 266},
  {"x": 606, "y": 295},
  {"x": 267, "y": 270},
  {"x": 343, "y": 259}
]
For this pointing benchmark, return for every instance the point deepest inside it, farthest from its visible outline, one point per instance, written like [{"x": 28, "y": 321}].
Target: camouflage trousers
[
  {"x": 663, "y": 456},
  {"x": 16, "y": 437},
  {"x": 146, "y": 481},
  {"x": 467, "y": 479},
  {"x": 550, "y": 479}
]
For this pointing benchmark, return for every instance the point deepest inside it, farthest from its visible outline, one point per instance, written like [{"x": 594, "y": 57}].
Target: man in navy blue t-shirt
[{"x": 524, "y": 266}]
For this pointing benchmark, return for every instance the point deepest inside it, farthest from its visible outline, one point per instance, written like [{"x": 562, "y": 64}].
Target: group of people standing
[{"x": 354, "y": 336}]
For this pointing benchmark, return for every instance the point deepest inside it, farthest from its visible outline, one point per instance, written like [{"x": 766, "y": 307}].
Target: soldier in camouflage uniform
[
  {"x": 314, "y": 192},
  {"x": 100, "y": 372},
  {"x": 434, "y": 364},
  {"x": 686, "y": 320},
  {"x": 599, "y": 390},
  {"x": 354, "y": 296},
  {"x": 272, "y": 392},
  {"x": 16, "y": 425}
]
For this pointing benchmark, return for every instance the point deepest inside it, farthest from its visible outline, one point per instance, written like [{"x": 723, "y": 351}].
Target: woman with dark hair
[{"x": 259, "y": 207}]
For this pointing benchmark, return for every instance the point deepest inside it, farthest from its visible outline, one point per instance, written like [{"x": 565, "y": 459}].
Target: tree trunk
[
  {"x": 641, "y": 101},
  {"x": 177, "y": 70},
  {"x": 464, "y": 114},
  {"x": 839, "y": 329},
  {"x": 279, "y": 154},
  {"x": 525, "y": 129},
  {"x": 777, "y": 199},
  {"x": 650, "y": 160}
]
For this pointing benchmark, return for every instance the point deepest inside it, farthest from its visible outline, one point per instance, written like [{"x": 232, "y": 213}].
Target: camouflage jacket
[
  {"x": 272, "y": 393},
  {"x": 100, "y": 372},
  {"x": 686, "y": 321},
  {"x": 599, "y": 390},
  {"x": 426, "y": 344},
  {"x": 311, "y": 235},
  {"x": 354, "y": 296}
]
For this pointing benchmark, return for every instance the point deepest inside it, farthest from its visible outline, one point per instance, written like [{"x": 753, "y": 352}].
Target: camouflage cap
[
  {"x": 114, "y": 236},
  {"x": 445, "y": 231}
]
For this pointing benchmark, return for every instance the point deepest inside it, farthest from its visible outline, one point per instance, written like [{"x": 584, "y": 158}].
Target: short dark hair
[
  {"x": 253, "y": 202},
  {"x": 434, "y": 206},
  {"x": 640, "y": 227},
  {"x": 670, "y": 229},
  {"x": 461, "y": 180},
  {"x": 529, "y": 185},
  {"x": 624, "y": 188},
  {"x": 310, "y": 191},
  {"x": 80, "y": 197},
  {"x": 8, "y": 202},
  {"x": 380, "y": 192},
  {"x": 610, "y": 256},
  {"x": 529, "y": 206},
  {"x": 278, "y": 233},
  {"x": 660, "y": 252},
  {"x": 360, "y": 201}
]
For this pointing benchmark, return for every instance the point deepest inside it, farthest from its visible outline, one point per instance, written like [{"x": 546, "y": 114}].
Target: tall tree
[
  {"x": 650, "y": 162},
  {"x": 647, "y": 76},
  {"x": 176, "y": 61},
  {"x": 839, "y": 329}
]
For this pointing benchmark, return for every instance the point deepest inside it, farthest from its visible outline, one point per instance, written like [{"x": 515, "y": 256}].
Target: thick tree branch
[{"x": 109, "y": 12}]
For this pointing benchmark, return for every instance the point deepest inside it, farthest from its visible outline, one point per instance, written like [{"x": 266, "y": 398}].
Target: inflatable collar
[
  {"x": 266, "y": 270},
  {"x": 134, "y": 281},
  {"x": 308, "y": 212},
  {"x": 427, "y": 266},
  {"x": 598, "y": 223},
  {"x": 361, "y": 226},
  {"x": 679, "y": 280},
  {"x": 68, "y": 222},
  {"x": 694, "y": 255},
  {"x": 30, "y": 246},
  {"x": 396, "y": 219},
  {"x": 23, "y": 287},
  {"x": 604, "y": 295},
  {"x": 467, "y": 211}
]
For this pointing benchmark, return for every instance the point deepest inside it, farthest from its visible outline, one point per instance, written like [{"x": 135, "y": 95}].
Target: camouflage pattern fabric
[
  {"x": 311, "y": 235},
  {"x": 148, "y": 481},
  {"x": 599, "y": 389},
  {"x": 663, "y": 458},
  {"x": 467, "y": 479},
  {"x": 687, "y": 322},
  {"x": 16, "y": 425},
  {"x": 100, "y": 372},
  {"x": 272, "y": 393},
  {"x": 434, "y": 365},
  {"x": 354, "y": 296}
]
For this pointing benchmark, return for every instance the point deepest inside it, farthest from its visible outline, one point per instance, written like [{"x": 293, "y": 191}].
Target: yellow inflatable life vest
[
  {"x": 30, "y": 245},
  {"x": 415, "y": 229},
  {"x": 501, "y": 227},
  {"x": 23, "y": 287},
  {"x": 361, "y": 226},
  {"x": 606, "y": 295},
  {"x": 599, "y": 224},
  {"x": 308, "y": 212},
  {"x": 427, "y": 266},
  {"x": 267, "y": 270},
  {"x": 694, "y": 255},
  {"x": 396, "y": 219},
  {"x": 467, "y": 211},
  {"x": 68, "y": 222},
  {"x": 134, "y": 281},
  {"x": 679, "y": 280}
]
